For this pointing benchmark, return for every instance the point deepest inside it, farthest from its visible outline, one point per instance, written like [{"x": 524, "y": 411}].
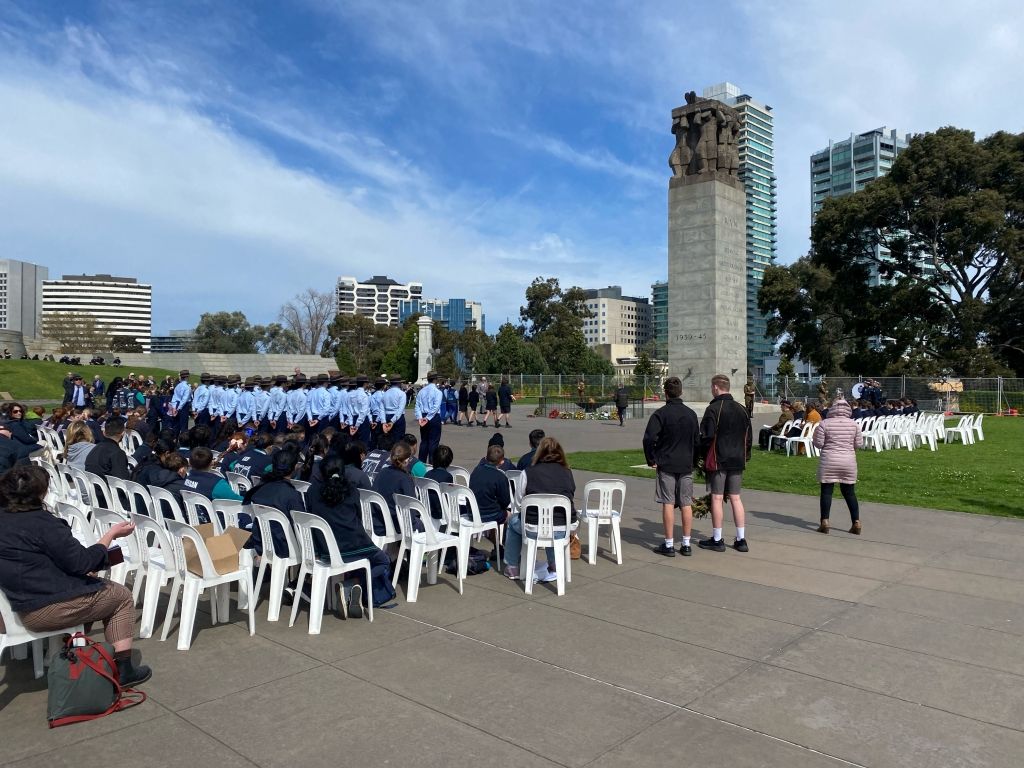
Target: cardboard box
[{"x": 223, "y": 549}]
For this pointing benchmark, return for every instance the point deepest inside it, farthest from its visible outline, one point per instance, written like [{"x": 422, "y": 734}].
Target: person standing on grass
[
  {"x": 838, "y": 437},
  {"x": 671, "y": 442},
  {"x": 725, "y": 434}
]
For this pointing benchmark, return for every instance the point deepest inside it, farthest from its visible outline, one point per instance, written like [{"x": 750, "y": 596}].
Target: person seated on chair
[
  {"x": 799, "y": 413},
  {"x": 490, "y": 486},
  {"x": 275, "y": 491},
  {"x": 416, "y": 467},
  {"x": 766, "y": 434},
  {"x": 549, "y": 473},
  {"x": 394, "y": 478},
  {"x": 253, "y": 460},
  {"x": 499, "y": 440},
  {"x": 334, "y": 498},
  {"x": 203, "y": 480},
  {"x": 442, "y": 459},
  {"x": 21, "y": 430},
  {"x": 46, "y": 573},
  {"x": 107, "y": 458},
  {"x": 78, "y": 443},
  {"x": 175, "y": 469},
  {"x": 813, "y": 416},
  {"x": 11, "y": 451},
  {"x": 536, "y": 435},
  {"x": 354, "y": 454}
]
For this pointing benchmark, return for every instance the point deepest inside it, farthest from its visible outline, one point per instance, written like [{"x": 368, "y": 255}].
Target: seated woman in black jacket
[
  {"x": 22, "y": 431},
  {"x": 46, "y": 573},
  {"x": 336, "y": 500},
  {"x": 395, "y": 478},
  {"x": 549, "y": 473},
  {"x": 275, "y": 491}
]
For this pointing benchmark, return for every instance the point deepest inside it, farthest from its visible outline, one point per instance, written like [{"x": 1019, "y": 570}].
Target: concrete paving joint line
[{"x": 622, "y": 688}]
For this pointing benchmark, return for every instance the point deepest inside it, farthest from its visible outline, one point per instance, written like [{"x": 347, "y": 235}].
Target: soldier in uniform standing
[
  {"x": 428, "y": 414},
  {"x": 393, "y": 402},
  {"x": 749, "y": 390},
  {"x": 181, "y": 403},
  {"x": 201, "y": 401}
]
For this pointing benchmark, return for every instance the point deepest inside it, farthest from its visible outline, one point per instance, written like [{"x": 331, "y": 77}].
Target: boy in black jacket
[{"x": 670, "y": 446}]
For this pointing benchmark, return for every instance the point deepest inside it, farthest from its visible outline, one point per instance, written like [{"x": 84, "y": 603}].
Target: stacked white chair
[
  {"x": 194, "y": 585},
  {"x": 543, "y": 535},
  {"x": 606, "y": 511},
  {"x": 322, "y": 569},
  {"x": 420, "y": 543}
]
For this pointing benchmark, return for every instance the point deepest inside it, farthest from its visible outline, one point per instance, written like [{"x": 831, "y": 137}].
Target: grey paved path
[{"x": 902, "y": 647}]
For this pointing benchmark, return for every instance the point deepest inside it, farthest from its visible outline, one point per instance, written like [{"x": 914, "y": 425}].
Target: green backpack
[{"x": 84, "y": 684}]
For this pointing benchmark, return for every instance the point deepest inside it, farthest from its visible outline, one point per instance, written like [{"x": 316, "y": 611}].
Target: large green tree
[
  {"x": 512, "y": 353},
  {"x": 553, "y": 320},
  {"x": 944, "y": 232},
  {"x": 227, "y": 333},
  {"x": 358, "y": 345}
]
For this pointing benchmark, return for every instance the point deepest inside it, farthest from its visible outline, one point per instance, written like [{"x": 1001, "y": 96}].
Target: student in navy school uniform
[{"x": 275, "y": 491}]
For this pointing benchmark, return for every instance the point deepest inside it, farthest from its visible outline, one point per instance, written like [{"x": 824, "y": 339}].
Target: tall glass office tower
[
  {"x": 659, "y": 318},
  {"x": 757, "y": 170}
]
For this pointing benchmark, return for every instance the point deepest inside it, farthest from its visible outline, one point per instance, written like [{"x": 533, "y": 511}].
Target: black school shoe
[
  {"x": 740, "y": 545},
  {"x": 355, "y": 602},
  {"x": 685, "y": 550},
  {"x": 717, "y": 545},
  {"x": 664, "y": 549}
]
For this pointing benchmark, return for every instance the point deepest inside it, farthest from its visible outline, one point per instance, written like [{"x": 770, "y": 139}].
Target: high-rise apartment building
[
  {"x": 844, "y": 167},
  {"x": 378, "y": 298},
  {"x": 659, "y": 318},
  {"x": 21, "y": 297},
  {"x": 756, "y": 146},
  {"x": 624, "y": 321},
  {"x": 122, "y": 306},
  {"x": 175, "y": 341},
  {"x": 454, "y": 314}
]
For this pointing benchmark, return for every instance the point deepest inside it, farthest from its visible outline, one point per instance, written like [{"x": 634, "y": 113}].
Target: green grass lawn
[
  {"x": 984, "y": 478},
  {"x": 41, "y": 380}
]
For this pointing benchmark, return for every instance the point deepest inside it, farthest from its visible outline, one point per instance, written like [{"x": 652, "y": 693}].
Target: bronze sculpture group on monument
[{"x": 707, "y": 295}]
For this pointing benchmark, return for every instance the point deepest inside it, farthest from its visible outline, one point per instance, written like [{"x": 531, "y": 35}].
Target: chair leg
[
  {"x": 258, "y": 587},
  {"x": 172, "y": 601},
  {"x": 560, "y": 564},
  {"x": 250, "y": 603},
  {"x": 531, "y": 564},
  {"x": 277, "y": 579},
  {"x": 299, "y": 583},
  {"x": 369, "y": 589},
  {"x": 617, "y": 540},
  {"x": 497, "y": 546},
  {"x": 189, "y": 603},
  {"x": 317, "y": 593},
  {"x": 224, "y": 603},
  {"x": 150, "y": 601},
  {"x": 412, "y": 585},
  {"x": 137, "y": 580},
  {"x": 37, "y": 658},
  {"x": 464, "y": 544},
  {"x": 398, "y": 565},
  {"x": 593, "y": 531}
]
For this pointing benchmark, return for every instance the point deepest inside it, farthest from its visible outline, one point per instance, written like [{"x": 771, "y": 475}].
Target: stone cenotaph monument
[{"x": 707, "y": 279}]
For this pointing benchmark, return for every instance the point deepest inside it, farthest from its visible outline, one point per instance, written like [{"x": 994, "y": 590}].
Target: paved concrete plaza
[{"x": 902, "y": 647}]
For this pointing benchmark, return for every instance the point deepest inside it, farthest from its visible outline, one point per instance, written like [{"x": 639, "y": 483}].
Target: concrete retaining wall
[{"x": 243, "y": 365}]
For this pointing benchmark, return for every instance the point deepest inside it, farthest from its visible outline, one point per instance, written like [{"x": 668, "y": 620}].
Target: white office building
[
  {"x": 620, "y": 326},
  {"x": 121, "y": 305},
  {"x": 379, "y": 298},
  {"x": 21, "y": 297}
]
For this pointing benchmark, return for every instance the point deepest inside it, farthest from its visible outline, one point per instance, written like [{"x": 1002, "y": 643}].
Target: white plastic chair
[
  {"x": 301, "y": 486},
  {"x": 805, "y": 438},
  {"x": 420, "y": 543},
  {"x": 162, "y": 500},
  {"x": 157, "y": 567},
  {"x": 322, "y": 569},
  {"x": 195, "y": 585},
  {"x": 99, "y": 491},
  {"x": 225, "y": 514},
  {"x": 543, "y": 535},
  {"x": 120, "y": 499},
  {"x": 782, "y": 435},
  {"x": 130, "y": 440},
  {"x": 924, "y": 431},
  {"x": 370, "y": 500},
  {"x": 239, "y": 483},
  {"x": 197, "y": 507},
  {"x": 460, "y": 476},
  {"x": 78, "y": 519},
  {"x": 81, "y": 484},
  {"x": 278, "y": 563},
  {"x": 15, "y": 635},
  {"x": 469, "y": 525},
  {"x": 979, "y": 432},
  {"x": 104, "y": 519},
  {"x": 964, "y": 430},
  {"x": 140, "y": 502},
  {"x": 607, "y": 511},
  {"x": 517, "y": 485}
]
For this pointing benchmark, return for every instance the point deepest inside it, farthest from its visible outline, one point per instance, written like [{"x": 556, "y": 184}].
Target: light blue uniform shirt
[
  {"x": 345, "y": 407},
  {"x": 393, "y": 401},
  {"x": 229, "y": 402},
  {"x": 262, "y": 404},
  {"x": 245, "y": 407},
  {"x": 359, "y": 403},
  {"x": 332, "y": 400},
  {"x": 428, "y": 402},
  {"x": 278, "y": 401},
  {"x": 377, "y": 405},
  {"x": 182, "y": 395},
  {"x": 295, "y": 405},
  {"x": 201, "y": 398}
]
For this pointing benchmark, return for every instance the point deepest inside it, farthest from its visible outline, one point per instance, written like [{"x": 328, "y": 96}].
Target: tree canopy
[
  {"x": 232, "y": 333},
  {"x": 914, "y": 273}
]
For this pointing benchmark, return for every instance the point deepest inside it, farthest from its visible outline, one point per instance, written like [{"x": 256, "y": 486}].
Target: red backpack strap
[{"x": 125, "y": 697}]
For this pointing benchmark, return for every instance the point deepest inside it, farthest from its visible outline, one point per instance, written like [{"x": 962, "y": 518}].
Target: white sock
[
  {"x": 716, "y": 534},
  {"x": 669, "y": 542},
  {"x": 686, "y": 541},
  {"x": 740, "y": 533}
]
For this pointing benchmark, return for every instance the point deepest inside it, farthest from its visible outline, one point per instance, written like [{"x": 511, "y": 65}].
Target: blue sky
[{"x": 233, "y": 153}]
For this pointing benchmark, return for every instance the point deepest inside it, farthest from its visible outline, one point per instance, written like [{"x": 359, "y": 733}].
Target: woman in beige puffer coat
[{"x": 838, "y": 437}]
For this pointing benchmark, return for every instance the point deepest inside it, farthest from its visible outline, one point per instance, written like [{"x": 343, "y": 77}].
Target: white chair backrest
[
  {"x": 147, "y": 529},
  {"x": 370, "y": 501},
  {"x": 163, "y": 502},
  {"x": 130, "y": 441},
  {"x": 178, "y": 534},
  {"x": 139, "y": 498},
  {"x": 81, "y": 484},
  {"x": 463, "y": 498},
  {"x": 546, "y": 503},
  {"x": 81, "y": 527},
  {"x": 99, "y": 491},
  {"x": 15, "y": 630},
  {"x": 606, "y": 491},
  {"x": 104, "y": 519},
  {"x": 56, "y": 483},
  {"x": 301, "y": 485},
  {"x": 197, "y": 507},
  {"x": 460, "y": 475},
  {"x": 239, "y": 483},
  {"x": 406, "y": 505},
  {"x": 265, "y": 516},
  {"x": 225, "y": 514},
  {"x": 517, "y": 485},
  {"x": 120, "y": 499},
  {"x": 305, "y": 524}
]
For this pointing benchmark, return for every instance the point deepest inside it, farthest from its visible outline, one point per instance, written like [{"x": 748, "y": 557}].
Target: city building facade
[
  {"x": 122, "y": 306},
  {"x": 454, "y": 314},
  {"x": 756, "y": 147},
  {"x": 174, "y": 341},
  {"x": 622, "y": 322},
  {"x": 659, "y": 318},
  {"x": 378, "y": 298},
  {"x": 846, "y": 166},
  {"x": 21, "y": 297}
]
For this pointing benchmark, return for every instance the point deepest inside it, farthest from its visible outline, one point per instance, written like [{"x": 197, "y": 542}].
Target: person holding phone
[{"x": 46, "y": 573}]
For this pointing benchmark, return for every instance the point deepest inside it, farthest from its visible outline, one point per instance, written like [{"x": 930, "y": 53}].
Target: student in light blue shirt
[
  {"x": 278, "y": 403},
  {"x": 201, "y": 400},
  {"x": 341, "y": 405},
  {"x": 216, "y": 398},
  {"x": 359, "y": 403},
  {"x": 318, "y": 404},
  {"x": 295, "y": 403},
  {"x": 393, "y": 404},
  {"x": 377, "y": 411},
  {"x": 229, "y": 397},
  {"x": 181, "y": 403},
  {"x": 262, "y": 399},
  {"x": 245, "y": 406},
  {"x": 428, "y": 414}
]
